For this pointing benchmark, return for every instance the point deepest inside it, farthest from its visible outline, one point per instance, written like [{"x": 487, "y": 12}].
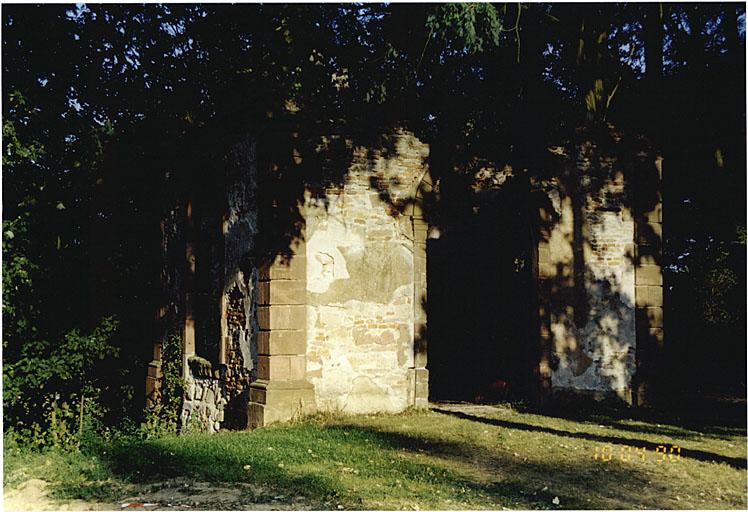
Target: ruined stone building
[{"x": 322, "y": 273}]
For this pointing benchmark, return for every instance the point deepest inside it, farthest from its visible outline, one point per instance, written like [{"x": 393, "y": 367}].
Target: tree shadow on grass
[
  {"x": 637, "y": 443},
  {"x": 685, "y": 416},
  {"x": 723, "y": 433},
  {"x": 668, "y": 426},
  {"x": 694, "y": 418},
  {"x": 471, "y": 475},
  {"x": 651, "y": 422},
  {"x": 149, "y": 462},
  {"x": 512, "y": 481}
]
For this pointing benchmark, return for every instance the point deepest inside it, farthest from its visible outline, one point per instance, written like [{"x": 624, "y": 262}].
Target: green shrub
[
  {"x": 162, "y": 417},
  {"x": 53, "y": 391}
]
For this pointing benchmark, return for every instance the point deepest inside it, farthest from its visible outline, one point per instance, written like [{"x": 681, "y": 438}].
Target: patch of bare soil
[
  {"x": 175, "y": 494},
  {"x": 183, "y": 494},
  {"x": 34, "y": 495}
]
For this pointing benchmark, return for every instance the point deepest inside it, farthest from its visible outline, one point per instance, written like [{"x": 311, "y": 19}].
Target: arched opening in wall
[{"x": 482, "y": 314}]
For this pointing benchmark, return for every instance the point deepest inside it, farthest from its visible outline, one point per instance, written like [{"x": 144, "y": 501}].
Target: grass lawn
[{"x": 447, "y": 458}]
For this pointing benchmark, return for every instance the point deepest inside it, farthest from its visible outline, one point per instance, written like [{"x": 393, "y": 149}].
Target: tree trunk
[{"x": 653, "y": 46}]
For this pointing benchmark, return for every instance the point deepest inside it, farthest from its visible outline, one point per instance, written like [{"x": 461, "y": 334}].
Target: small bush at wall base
[
  {"x": 162, "y": 416},
  {"x": 53, "y": 391}
]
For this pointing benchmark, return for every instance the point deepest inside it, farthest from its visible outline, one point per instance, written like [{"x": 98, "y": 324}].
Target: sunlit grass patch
[{"x": 72, "y": 475}]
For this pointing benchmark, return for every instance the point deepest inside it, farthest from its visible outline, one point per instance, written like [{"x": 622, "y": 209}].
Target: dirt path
[
  {"x": 182, "y": 494},
  {"x": 176, "y": 494},
  {"x": 34, "y": 495}
]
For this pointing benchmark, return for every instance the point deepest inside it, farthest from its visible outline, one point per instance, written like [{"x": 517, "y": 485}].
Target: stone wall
[
  {"x": 217, "y": 381},
  {"x": 650, "y": 336},
  {"x": 335, "y": 318},
  {"x": 239, "y": 325},
  {"x": 204, "y": 397},
  {"x": 360, "y": 282},
  {"x": 591, "y": 279},
  {"x": 591, "y": 289},
  {"x": 169, "y": 314}
]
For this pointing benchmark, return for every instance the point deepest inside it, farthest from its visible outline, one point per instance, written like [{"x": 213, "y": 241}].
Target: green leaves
[
  {"x": 56, "y": 375},
  {"x": 471, "y": 27},
  {"x": 19, "y": 149}
]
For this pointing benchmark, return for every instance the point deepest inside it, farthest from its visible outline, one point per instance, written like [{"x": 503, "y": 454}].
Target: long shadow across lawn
[
  {"x": 638, "y": 443},
  {"x": 518, "y": 482},
  {"x": 151, "y": 461},
  {"x": 689, "y": 415},
  {"x": 491, "y": 479}
]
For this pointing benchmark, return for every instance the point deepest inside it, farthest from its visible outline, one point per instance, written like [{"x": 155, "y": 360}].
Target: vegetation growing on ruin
[{"x": 162, "y": 414}]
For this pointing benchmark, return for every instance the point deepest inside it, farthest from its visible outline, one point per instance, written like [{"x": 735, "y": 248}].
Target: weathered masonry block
[
  {"x": 281, "y": 391},
  {"x": 332, "y": 318},
  {"x": 420, "y": 374},
  {"x": 545, "y": 273},
  {"x": 649, "y": 283}
]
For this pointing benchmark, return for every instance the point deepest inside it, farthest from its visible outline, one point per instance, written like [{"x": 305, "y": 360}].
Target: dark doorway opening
[{"x": 482, "y": 309}]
